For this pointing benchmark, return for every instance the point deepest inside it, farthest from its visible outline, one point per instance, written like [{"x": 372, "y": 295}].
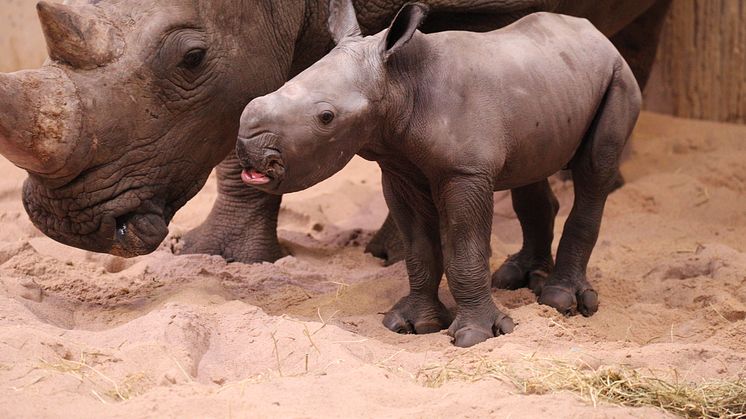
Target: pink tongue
[{"x": 252, "y": 177}]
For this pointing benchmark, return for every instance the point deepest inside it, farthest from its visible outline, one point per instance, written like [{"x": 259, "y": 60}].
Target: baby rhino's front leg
[
  {"x": 465, "y": 209},
  {"x": 412, "y": 209}
]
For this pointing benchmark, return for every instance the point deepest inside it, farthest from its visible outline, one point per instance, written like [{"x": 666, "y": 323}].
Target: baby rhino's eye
[{"x": 326, "y": 117}]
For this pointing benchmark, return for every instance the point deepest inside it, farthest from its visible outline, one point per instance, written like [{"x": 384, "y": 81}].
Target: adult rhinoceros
[{"x": 141, "y": 99}]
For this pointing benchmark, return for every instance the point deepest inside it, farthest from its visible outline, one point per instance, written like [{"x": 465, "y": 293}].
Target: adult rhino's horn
[
  {"x": 40, "y": 123},
  {"x": 81, "y": 37}
]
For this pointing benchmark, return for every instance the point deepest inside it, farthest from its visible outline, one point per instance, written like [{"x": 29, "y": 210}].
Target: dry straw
[
  {"x": 103, "y": 387},
  {"x": 619, "y": 384}
]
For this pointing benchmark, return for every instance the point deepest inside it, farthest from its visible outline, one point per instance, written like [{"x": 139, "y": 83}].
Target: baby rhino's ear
[
  {"x": 402, "y": 29},
  {"x": 342, "y": 20}
]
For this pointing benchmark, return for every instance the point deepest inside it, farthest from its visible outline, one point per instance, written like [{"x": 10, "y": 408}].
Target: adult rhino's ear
[
  {"x": 342, "y": 20},
  {"x": 402, "y": 29}
]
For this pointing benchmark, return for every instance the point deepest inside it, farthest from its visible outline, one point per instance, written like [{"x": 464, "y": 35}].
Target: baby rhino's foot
[
  {"x": 570, "y": 297},
  {"x": 417, "y": 314},
  {"x": 517, "y": 272},
  {"x": 468, "y": 330}
]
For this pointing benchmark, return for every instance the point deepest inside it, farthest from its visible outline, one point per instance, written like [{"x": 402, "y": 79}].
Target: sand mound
[{"x": 165, "y": 335}]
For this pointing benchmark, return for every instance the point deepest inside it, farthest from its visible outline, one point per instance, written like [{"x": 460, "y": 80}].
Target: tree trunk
[{"x": 700, "y": 69}]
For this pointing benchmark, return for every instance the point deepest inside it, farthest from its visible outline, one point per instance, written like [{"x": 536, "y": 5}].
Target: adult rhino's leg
[
  {"x": 638, "y": 41},
  {"x": 242, "y": 225},
  {"x": 536, "y": 207},
  {"x": 387, "y": 243}
]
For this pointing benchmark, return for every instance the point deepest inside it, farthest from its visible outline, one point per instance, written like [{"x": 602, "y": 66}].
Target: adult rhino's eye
[
  {"x": 193, "y": 59},
  {"x": 326, "y": 117}
]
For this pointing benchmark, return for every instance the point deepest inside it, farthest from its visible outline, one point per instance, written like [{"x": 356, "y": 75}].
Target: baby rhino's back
[{"x": 530, "y": 89}]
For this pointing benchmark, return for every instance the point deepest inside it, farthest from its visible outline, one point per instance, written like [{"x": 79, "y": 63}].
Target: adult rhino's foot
[
  {"x": 418, "y": 315},
  {"x": 242, "y": 226},
  {"x": 570, "y": 297},
  {"x": 520, "y": 271},
  {"x": 214, "y": 238},
  {"x": 387, "y": 243},
  {"x": 476, "y": 326}
]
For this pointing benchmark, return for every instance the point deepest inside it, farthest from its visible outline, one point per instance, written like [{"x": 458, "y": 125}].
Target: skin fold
[
  {"x": 450, "y": 118},
  {"x": 141, "y": 100}
]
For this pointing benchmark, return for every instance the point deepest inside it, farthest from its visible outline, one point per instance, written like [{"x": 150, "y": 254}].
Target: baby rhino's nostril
[{"x": 274, "y": 165}]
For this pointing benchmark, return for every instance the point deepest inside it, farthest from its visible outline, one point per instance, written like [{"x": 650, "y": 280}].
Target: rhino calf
[{"x": 451, "y": 117}]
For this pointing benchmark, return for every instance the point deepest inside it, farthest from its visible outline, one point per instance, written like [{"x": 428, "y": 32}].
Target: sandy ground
[{"x": 90, "y": 335}]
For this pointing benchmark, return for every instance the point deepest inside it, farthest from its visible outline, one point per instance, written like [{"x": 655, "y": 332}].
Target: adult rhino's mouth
[
  {"x": 138, "y": 234},
  {"x": 125, "y": 225}
]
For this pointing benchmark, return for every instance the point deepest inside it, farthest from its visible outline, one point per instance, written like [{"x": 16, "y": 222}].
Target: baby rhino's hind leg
[
  {"x": 536, "y": 207},
  {"x": 594, "y": 170}
]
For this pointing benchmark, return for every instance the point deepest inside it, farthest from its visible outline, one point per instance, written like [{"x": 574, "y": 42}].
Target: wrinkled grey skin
[
  {"x": 118, "y": 130},
  {"x": 450, "y": 118},
  {"x": 125, "y": 140}
]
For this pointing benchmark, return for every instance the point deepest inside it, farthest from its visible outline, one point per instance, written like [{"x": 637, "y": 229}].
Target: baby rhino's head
[{"x": 312, "y": 126}]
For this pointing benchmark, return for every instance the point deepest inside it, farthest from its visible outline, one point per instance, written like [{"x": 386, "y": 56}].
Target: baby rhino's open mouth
[
  {"x": 263, "y": 165},
  {"x": 273, "y": 173},
  {"x": 254, "y": 177}
]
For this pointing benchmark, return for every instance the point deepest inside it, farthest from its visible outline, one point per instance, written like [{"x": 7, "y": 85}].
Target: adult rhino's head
[
  {"x": 312, "y": 126},
  {"x": 139, "y": 100}
]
